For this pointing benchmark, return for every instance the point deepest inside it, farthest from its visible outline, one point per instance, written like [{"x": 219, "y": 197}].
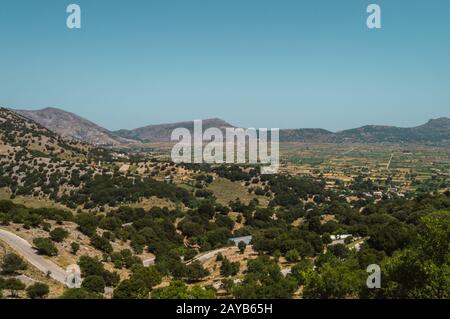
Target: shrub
[
  {"x": 12, "y": 263},
  {"x": 45, "y": 246},
  {"x": 94, "y": 283},
  {"x": 58, "y": 234},
  {"x": 38, "y": 291}
]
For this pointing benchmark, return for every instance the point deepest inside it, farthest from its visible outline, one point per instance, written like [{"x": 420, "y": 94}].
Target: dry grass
[
  {"x": 56, "y": 288},
  {"x": 226, "y": 191},
  {"x": 30, "y": 201}
]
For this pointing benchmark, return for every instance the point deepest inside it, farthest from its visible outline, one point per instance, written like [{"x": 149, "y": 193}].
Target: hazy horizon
[{"x": 223, "y": 119}]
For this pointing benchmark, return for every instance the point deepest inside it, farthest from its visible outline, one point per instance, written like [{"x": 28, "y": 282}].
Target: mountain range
[{"x": 435, "y": 131}]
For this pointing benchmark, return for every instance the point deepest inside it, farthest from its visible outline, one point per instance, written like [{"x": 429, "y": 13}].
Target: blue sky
[{"x": 261, "y": 63}]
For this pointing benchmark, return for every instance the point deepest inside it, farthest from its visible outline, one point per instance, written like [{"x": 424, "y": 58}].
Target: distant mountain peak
[
  {"x": 439, "y": 121},
  {"x": 162, "y": 132}
]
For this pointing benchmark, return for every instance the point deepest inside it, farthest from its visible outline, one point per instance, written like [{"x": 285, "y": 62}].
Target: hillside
[
  {"x": 18, "y": 133},
  {"x": 37, "y": 162},
  {"x": 71, "y": 125},
  {"x": 306, "y": 135},
  {"x": 434, "y": 131}
]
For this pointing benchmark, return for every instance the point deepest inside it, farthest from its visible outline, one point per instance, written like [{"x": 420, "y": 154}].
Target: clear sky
[{"x": 260, "y": 63}]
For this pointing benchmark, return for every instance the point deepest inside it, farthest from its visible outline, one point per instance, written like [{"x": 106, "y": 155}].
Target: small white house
[{"x": 338, "y": 237}]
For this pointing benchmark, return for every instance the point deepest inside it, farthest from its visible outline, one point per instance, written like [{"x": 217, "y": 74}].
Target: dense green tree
[
  {"x": 335, "y": 280},
  {"x": 94, "y": 283},
  {"x": 101, "y": 243},
  {"x": 132, "y": 289},
  {"x": 422, "y": 270},
  {"x": 191, "y": 229},
  {"x": 45, "y": 246},
  {"x": 93, "y": 267},
  {"x": 75, "y": 247},
  {"x": 326, "y": 238},
  {"x": 179, "y": 290},
  {"x": 302, "y": 271},
  {"x": 79, "y": 293},
  {"x": 38, "y": 291},
  {"x": 87, "y": 223},
  {"x": 339, "y": 250},
  {"x": 242, "y": 245},
  {"x": 228, "y": 269},
  {"x": 390, "y": 237},
  {"x": 90, "y": 266},
  {"x": 264, "y": 280},
  {"x": 292, "y": 255},
  {"x": 190, "y": 254},
  {"x": 196, "y": 272},
  {"x": 58, "y": 234},
  {"x": 14, "y": 285},
  {"x": 149, "y": 275}
]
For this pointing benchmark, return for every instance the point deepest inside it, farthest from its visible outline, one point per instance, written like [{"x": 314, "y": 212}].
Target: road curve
[{"x": 23, "y": 248}]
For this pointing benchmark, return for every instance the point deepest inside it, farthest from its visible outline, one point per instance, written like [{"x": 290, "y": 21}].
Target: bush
[
  {"x": 45, "y": 246},
  {"x": 58, "y": 234},
  {"x": 79, "y": 293},
  {"x": 339, "y": 250},
  {"x": 101, "y": 243},
  {"x": 149, "y": 275},
  {"x": 196, "y": 272},
  {"x": 228, "y": 269},
  {"x": 189, "y": 254},
  {"x": 12, "y": 263},
  {"x": 292, "y": 255},
  {"x": 326, "y": 238},
  {"x": 93, "y": 267},
  {"x": 94, "y": 284},
  {"x": 75, "y": 247},
  {"x": 179, "y": 290},
  {"x": 14, "y": 285},
  {"x": 242, "y": 245},
  {"x": 38, "y": 291},
  {"x": 131, "y": 289}
]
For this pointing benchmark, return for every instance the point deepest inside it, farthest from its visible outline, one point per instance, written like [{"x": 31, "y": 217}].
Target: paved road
[
  {"x": 390, "y": 160},
  {"x": 23, "y": 248},
  {"x": 210, "y": 254}
]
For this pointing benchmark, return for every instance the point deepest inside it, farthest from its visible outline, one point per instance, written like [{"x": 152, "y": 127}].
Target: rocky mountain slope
[
  {"x": 434, "y": 131},
  {"x": 162, "y": 132},
  {"x": 71, "y": 125}
]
